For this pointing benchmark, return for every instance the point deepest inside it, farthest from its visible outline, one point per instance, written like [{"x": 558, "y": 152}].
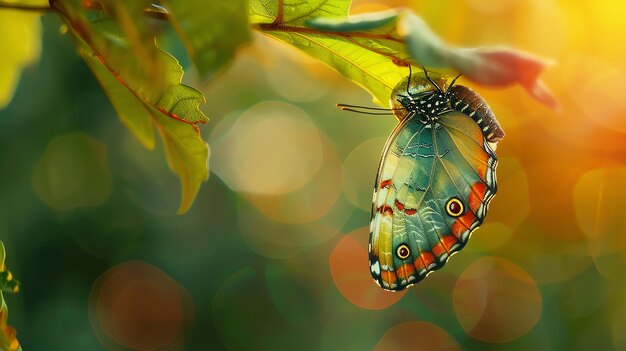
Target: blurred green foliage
[
  {"x": 211, "y": 31},
  {"x": 17, "y": 50}
]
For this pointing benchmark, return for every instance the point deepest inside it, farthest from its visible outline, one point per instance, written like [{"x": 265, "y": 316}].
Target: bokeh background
[{"x": 272, "y": 256}]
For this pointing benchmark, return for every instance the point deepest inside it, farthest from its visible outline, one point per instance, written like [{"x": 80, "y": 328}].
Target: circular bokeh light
[
  {"x": 73, "y": 172},
  {"x": 273, "y": 148},
  {"x": 310, "y": 202},
  {"x": 140, "y": 307},
  {"x": 348, "y": 267},
  {"x": 599, "y": 199},
  {"x": 496, "y": 301},
  {"x": 417, "y": 336}
]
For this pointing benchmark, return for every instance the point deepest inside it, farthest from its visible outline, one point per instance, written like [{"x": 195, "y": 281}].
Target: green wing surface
[{"x": 433, "y": 188}]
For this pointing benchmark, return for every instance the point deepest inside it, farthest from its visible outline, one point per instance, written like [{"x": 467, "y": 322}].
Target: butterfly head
[
  {"x": 429, "y": 103},
  {"x": 427, "y": 99}
]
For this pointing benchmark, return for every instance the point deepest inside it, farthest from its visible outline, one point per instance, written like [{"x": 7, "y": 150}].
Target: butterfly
[{"x": 436, "y": 178}]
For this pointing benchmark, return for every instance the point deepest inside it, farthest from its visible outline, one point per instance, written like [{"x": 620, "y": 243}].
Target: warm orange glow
[
  {"x": 352, "y": 277},
  {"x": 417, "y": 336},
  {"x": 496, "y": 301},
  {"x": 139, "y": 306}
]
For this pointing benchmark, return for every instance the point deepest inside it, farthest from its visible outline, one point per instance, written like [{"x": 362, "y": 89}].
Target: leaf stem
[
  {"x": 271, "y": 27},
  {"x": 279, "y": 15},
  {"x": 22, "y": 7},
  {"x": 349, "y": 36}
]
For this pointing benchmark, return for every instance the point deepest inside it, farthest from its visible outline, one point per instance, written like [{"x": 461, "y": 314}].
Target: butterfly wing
[{"x": 415, "y": 227}]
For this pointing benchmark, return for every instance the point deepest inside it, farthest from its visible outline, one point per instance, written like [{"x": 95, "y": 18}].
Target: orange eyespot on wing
[
  {"x": 403, "y": 252},
  {"x": 454, "y": 207}
]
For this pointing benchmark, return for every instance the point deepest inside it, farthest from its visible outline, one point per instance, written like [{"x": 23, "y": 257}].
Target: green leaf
[
  {"x": 72, "y": 172},
  {"x": 489, "y": 66},
  {"x": 174, "y": 114},
  {"x": 296, "y": 12},
  {"x": 8, "y": 339},
  {"x": 129, "y": 108},
  {"x": 373, "y": 49},
  {"x": 374, "y": 72},
  {"x": 187, "y": 156},
  {"x": 170, "y": 106},
  {"x": 211, "y": 30},
  {"x": 20, "y": 46},
  {"x": 366, "y": 60}
]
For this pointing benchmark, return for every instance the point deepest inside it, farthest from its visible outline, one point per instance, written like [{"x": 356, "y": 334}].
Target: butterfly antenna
[
  {"x": 453, "y": 81},
  {"x": 430, "y": 80},
  {"x": 345, "y": 106},
  {"x": 368, "y": 113}
]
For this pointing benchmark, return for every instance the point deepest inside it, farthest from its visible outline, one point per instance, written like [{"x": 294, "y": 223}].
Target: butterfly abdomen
[{"x": 467, "y": 101}]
